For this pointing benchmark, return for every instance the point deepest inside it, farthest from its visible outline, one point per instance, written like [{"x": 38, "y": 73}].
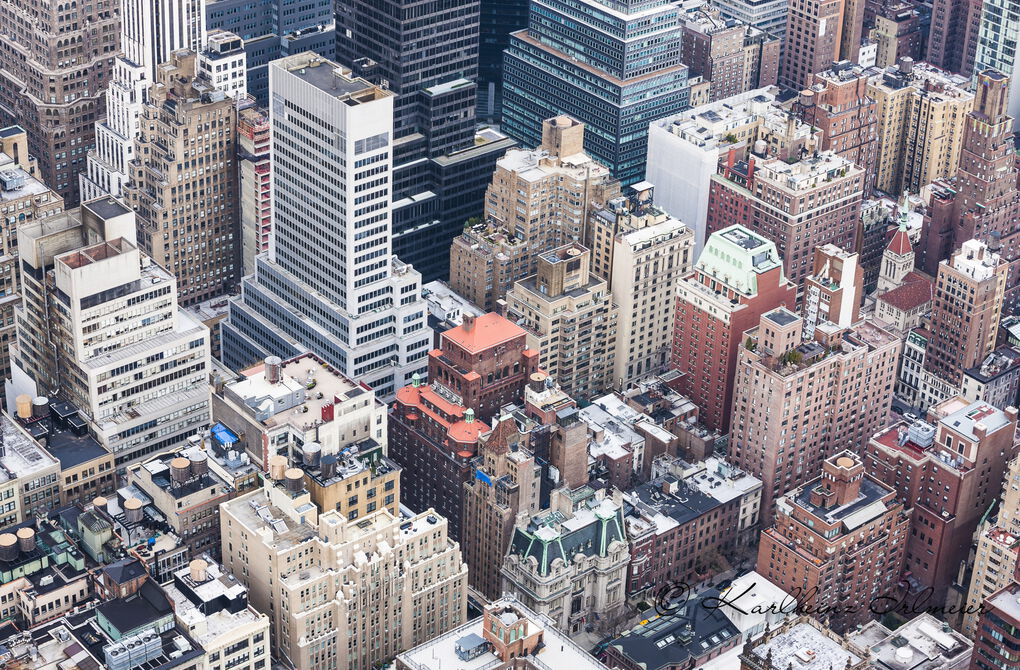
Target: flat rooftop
[
  {"x": 965, "y": 419},
  {"x": 22, "y": 455},
  {"x": 332, "y": 78},
  {"x": 105, "y": 208},
  {"x": 786, "y": 649}
]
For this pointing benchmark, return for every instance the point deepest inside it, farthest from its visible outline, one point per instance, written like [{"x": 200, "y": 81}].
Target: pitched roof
[
  {"x": 900, "y": 242},
  {"x": 915, "y": 291}
]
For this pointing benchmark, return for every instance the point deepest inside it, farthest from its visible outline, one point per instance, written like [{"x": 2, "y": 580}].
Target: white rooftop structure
[
  {"x": 805, "y": 646},
  {"x": 446, "y": 304},
  {"x": 21, "y": 457}
]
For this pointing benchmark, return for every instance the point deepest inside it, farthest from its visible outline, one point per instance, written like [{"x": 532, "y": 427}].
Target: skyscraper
[
  {"x": 812, "y": 40},
  {"x": 614, "y": 65},
  {"x": 150, "y": 31},
  {"x": 498, "y": 19},
  {"x": 427, "y": 54},
  {"x": 273, "y": 29},
  {"x": 55, "y": 63},
  {"x": 330, "y": 283},
  {"x": 187, "y": 218}
]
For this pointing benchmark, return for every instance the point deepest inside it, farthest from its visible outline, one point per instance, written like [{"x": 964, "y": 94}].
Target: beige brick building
[
  {"x": 537, "y": 200},
  {"x": 920, "y": 111},
  {"x": 570, "y": 319},
  {"x": 798, "y": 402},
  {"x": 642, "y": 252},
  {"x": 184, "y": 181},
  {"x": 342, "y": 594}
]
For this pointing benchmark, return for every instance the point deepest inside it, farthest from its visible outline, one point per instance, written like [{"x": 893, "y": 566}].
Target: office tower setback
[
  {"x": 121, "y": 325},
  {"x": 612, "y": 64},
  {"x": 150, "y": 30},
  {"x": 188, "y": 218},
  {"x": 643, "y": 252},
  {"x": 840, "y": 385},
  {"x": 253, "y": 165},
  {"x": 570, "y": 319},
  {"x": 963, "y": 449},
  {"x": 330, "y": 284},
  {"x": 538, "y": 200},
  {"x": 921, "y": 112},
  {"x": 434, "y": 428},
  {"x": 55, "y": 62},
  {"x": 273, "y": 29},
  {"x": 964, "y": 317},
  {"x": 732, "y": 56},
  {"x": 382, "y": 583},
  {"x": 737, "y": 278},
  {"x": 441, "y": 165},
  {"x": 953, "y": 36},
  {"x": 839, "y": 539},
  {"x": 507, "y": 483},
  {"x": 684, "y": 150},
  {"x": 824, "y": 193},
  {"x": 766, "y": 15},
  {"x": 838, "y": 104}
]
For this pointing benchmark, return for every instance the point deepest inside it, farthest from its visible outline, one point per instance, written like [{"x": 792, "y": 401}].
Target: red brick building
[
  {"x": 997, "y": 641},
  {"x": 838, "y": 104},
  {"x": 738, "y": 277},
  {"x": 808, "y": 203},
  {"x": 837, "y": 543},
  {"x": 947, "y": 473},
  {"x": 434, "y": 428}
]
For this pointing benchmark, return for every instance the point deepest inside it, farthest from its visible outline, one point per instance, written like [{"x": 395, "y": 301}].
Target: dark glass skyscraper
[
  {"x": 425, "y": 51},
  {"x": 612, "y": 64},
  {"x": 499, "y": 18}
]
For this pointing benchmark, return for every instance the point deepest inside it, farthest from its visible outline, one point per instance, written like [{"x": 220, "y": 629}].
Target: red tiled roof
[
  {"x": 488, "y": 331},
  {"x": 900, "y": 242},
  {"x": 915, "y": 291}
]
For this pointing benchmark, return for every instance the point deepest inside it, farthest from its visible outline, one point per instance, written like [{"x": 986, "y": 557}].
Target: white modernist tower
[
  {"x": 150, "y": 31},
  {"x": 331, "y": 284}
]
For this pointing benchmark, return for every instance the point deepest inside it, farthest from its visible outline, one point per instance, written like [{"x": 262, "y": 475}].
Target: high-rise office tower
[
  {"x": 838, "y": 104},
  {"x": 965, "y": 315},
  {"x": 330, "y": 283},
  {"x": 840, "y": 385},
  {"x": 996, "y": 47},
  {"x": 738, "y": 277},
  {"x": 537, "y": 201},
  {"x": 23, "y": 199},
  {"x": 961, "y": 454},
  {"x": 838, "y": 539},
  {"x": 921, "y": 112},
  {"x": 953, "y": 35},
  {"x": 150, "y": 30},
  {"x": 823, "y": 192},
  {"x": 612, "y": 64},
  {"x": 498, "y": 19},
  {"x": 427, "y": 54},
  {"x": 187, "y": 218},
  {"x": 273, "y": 29},
  {"x": 120, "y": 350},
  {"x": 55, "y": 63}
]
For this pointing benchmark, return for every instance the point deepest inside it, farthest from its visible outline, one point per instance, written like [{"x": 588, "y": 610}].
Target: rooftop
[
  {"x": 331, "y": 78},
  {"x": 22, "y": 457},
  {"x": 66, "y": 435},
  {"x": 211, "y": 602},
  {"x": 964, "y": 419},
  {"x": 866, "y": 506},
  {"x": 804, "y": 645},
  {"x": 484, "y": 332},
  {"x": 923, "y": 643},
  {"x": 558, "y": 650},
  {"x": 1006, "y": 601}
]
